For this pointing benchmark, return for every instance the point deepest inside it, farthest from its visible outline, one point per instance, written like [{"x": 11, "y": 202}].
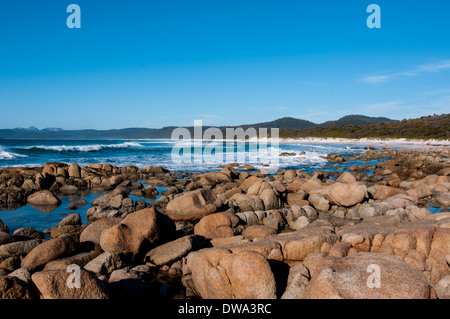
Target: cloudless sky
[{"x": 227, "y": 62}]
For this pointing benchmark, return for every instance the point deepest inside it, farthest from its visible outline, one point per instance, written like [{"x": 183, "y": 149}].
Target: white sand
[{"x": 392, "y": 143}]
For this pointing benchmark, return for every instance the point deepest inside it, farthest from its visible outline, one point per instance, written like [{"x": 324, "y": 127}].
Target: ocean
[{"x": 143, "y": 153}]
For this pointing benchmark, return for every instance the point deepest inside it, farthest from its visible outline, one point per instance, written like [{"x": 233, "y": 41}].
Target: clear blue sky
[{"x": 226, "y": 62}]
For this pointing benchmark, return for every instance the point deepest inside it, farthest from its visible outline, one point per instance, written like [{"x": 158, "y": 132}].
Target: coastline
[{"x": 382, "y": 142}]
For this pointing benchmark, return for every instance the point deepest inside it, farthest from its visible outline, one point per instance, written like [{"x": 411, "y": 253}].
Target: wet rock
[
  {"x": 150, "y": 191},
  {"x": 69, "y": 190},
  {"x": 4, "y": 227},
  {"x": 44, "y": 197}
]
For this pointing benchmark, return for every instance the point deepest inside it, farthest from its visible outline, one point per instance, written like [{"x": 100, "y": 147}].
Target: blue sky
[{"x": 226, "y": 62}]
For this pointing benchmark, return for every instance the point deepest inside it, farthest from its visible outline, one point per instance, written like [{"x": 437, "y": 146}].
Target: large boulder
[
  {"x": 80, "y": 259},
  {"x": 174, "y": 250},
  {"x": 297, "y": 246},
  {"x": 138, "y": 232},
  {"x": 419, "y": 191},
  {"x": 14, "y": 288},
  {"x": 19, "y": 247},
  {"x": 4, "y": 227},
  {"x": 193, "y": 205},
  {"x": 319, "y": 202},
  {"x": 44, "y": 197},
  {"x": 131, "y": 284},
  {"x": 297, "y": 198},
  {"x": 246, "y": 203},
  {"x": 381, "y": 192},
  {"x": 443, "y": 199},
  {"x": 249, "y": 182},
  {"x": 219, "y": 274},
  {"x": 50, "y": 250},
  {"x": 74, "y": 170},
  {"x": 93, "y": 231},
  {"x": 258, "y": 231},
  {"x": 107, "y": 262},
  {"x": 356, "y": 277},
  {"x": 212, "y": 178},
  {"x": 53, "y": 284},
  {"x": 346, "y": 194},
  {"x": 270, "y": 198},
  {"x": 216, "y": 225},
  {"x": 5, "y": 238},
  {"x": 346, "y": 178},
  {"x": 71, "y": 224},
  {"x": 440, "y": 248}
]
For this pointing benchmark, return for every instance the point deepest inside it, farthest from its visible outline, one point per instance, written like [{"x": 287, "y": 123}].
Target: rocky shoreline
[{"x": 236, "y": 233}]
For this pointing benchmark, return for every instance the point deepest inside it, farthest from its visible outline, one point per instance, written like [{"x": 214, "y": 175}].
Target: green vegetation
[{"x": 426, "y": 127}]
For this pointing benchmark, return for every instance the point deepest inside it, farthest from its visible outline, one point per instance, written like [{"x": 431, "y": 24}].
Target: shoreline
[{"x": 387, "y": 142}]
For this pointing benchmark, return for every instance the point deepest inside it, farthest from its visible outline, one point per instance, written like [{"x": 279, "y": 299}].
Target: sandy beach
[{"x": 379, "y": 142}]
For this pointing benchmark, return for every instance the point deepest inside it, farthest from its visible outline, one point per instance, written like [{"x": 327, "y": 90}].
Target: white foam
[
  {"x": 6, "y": 155},
  {"x": 85, "y": 148}
]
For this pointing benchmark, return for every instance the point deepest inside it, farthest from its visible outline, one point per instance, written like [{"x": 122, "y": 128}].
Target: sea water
[{"x": 143, "y": 153}]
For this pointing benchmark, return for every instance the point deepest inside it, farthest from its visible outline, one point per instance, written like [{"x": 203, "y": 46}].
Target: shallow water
[{"x": 35, "y": 217}]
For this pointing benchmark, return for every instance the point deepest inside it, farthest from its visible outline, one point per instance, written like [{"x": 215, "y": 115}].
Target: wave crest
[
  {"x": 6, "y": 155},
  {"x": 84, "y": 148}
]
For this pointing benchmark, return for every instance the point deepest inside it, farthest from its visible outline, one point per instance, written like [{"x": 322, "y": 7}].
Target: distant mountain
[
  {"x": 426, "y": 127},
  {"x": 29, "y": 129},
  {"x": 357, "y": 120},
  {"x": 284, "y": 124}
]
